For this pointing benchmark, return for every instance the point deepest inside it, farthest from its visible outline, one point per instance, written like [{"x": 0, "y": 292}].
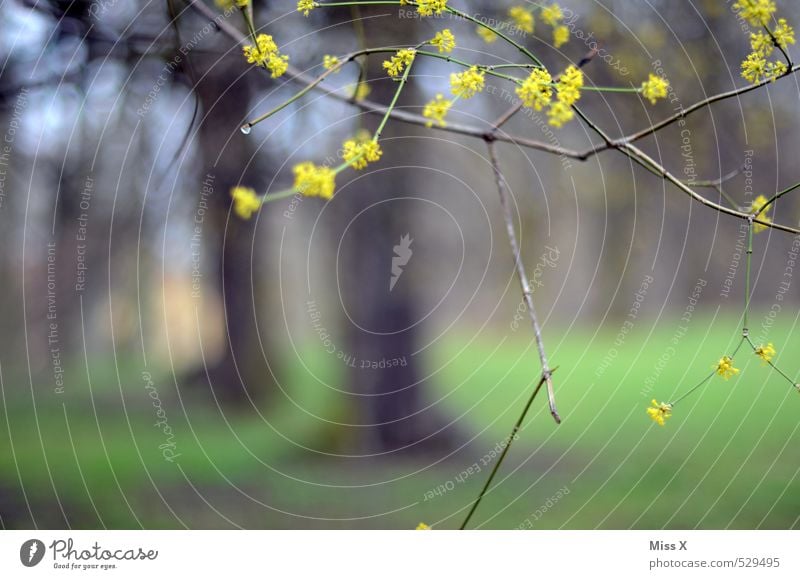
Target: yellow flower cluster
[
  {"x": 487, "y": 35},
  {"x": 330, "y": 62},
  {"x": 659, "y": 413},
  {"x": 468, "y": 83},
  {"x": 522, "y": 17},
  {"x": 431, "y": 7},
  {"x": 568, "y": 91},
  {"x": 655, "y": 88},
  {"x": 756, "y": 12},
  {"x": 313, "y": 180},
  {"x": 444, "y": 41},
  {"x": 361, "y": 151},
  {"x": 265, "y": 53},
  {"x": 245, "y": 201},
  {"x": 757, "y": 210},
  {"x": 398, "y": 63},
  {"x": 228, "y": 4},
  {"x": 306, "y": 6},
  {"x": 725, "y": 368},
  {"x": 361, "y": 91},
  {"x": 766, "y": 353},
  {"x": 536, "y": 90},
  {"x": 436, "y": 110},
  {"x": 756, "y": 67},
  {"x": 553, "y": 16}
]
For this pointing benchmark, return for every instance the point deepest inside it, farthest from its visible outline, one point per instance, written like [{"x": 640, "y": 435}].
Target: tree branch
[{"x": 527, "y": 294}]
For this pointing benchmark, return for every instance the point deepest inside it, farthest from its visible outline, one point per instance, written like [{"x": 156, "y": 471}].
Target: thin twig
[
  {"x": 527, "y": 294},
  {"x": 503, "y": 454}
]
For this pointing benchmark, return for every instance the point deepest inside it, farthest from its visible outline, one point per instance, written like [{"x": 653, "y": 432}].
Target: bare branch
[{"x": 527, "y": 294}]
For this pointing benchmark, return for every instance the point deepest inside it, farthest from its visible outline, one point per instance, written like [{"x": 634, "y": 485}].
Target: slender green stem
[
  {"x": 745, "y": 328},
  {"x": 777, "y": 196},
  {"x": 380, "y": 50},
  {"x": 608, "y": 88},
  {"x": 247, "y": 15},
  {"x": 489, "y": 69},
  {"x": 707, "y": 378},
  {"x": 692, "y": 389},
  {"x": 774, "y": 367},
  {"x": 403, "y": 80},
  {"x": 392, "y": 104},
  {"x": 508, "y": 39},
  {"x": 296, "y": 96},
  {"x": 511, "y": 438},
  {"x": 727, "y": 197},
  {"x": 779, "y": 47}
]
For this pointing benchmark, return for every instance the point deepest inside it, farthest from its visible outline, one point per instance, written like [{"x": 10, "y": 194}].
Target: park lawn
[{"x": 725, "y": 459}]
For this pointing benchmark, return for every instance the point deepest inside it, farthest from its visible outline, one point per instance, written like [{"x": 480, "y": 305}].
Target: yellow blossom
[
  {"x": 762, "y": 43},
  {"x": 757, "y": 210},
  {"x": 306, "y": 6},
  {"x": 468, "y": 83},
  {"x": 314, "y": 181},
  {"x": 654, "y": 88},
  {"x": 754, "y": 67},
  {"x": 245, "y": 201},
  {"x": 430, "y": 7},
  {"x": 766, "y": 353},
  {"x": 725, "y": 367},
  {"x": 569, "y": 84},
  {"x": 444, "y": 41},
  {"x": 397, "y": 64},
  {"x": 361, "y": 91},
  {"x": 560, "y": 114},
  {"x": 660, "y": 412},
  {"x": 423, "y": 527},
  {"x": 361, "y": 151},
  {"x": 436, "y": 110},
  {"x": 228, "y": 4},
  {"x": 552, "y": 15},
  {"x": 265, "y": 53},
  {"x": 487, "y": 35},
  {"x": 783, "y": 33},
  {"x": 536, "y": 90},
  {"x": 277, "y": 64},
  {"x": 330, "y": 62},
  {"x": 756, "y": 12},
  {"x": 560, "y": 35},
  {"x": 522, "y": 17}
]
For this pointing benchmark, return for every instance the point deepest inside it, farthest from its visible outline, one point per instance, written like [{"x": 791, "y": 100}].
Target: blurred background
[{"x": 164, "y": 364}]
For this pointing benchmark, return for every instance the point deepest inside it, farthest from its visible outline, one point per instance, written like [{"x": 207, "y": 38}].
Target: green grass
[{"x": 726, "y": 459}]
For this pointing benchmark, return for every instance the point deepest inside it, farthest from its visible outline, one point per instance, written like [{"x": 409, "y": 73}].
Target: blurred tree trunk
[
  {"x": 392, "y": 398},
  {"x": 239, "y": 375}
]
